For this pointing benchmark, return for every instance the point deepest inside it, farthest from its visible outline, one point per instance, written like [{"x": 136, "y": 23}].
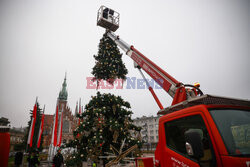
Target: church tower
[
  {"x": 69, "y": 121},
  {"x": 63, "y": 96}
]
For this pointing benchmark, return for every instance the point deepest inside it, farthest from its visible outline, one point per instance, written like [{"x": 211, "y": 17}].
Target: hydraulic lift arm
[{"x": 173, "y": 87}]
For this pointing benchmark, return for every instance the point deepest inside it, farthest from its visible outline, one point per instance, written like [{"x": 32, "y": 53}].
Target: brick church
[{"x": 69, "y": 120}]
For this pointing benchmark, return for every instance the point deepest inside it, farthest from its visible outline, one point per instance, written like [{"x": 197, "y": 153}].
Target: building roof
[
  {"x": 4, "y": 121},
  {"x": 146, "y": 117}
]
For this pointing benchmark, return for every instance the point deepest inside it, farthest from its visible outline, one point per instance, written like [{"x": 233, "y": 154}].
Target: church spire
[
  {"x": 76, "y": 111},
  {"x": 63, "y": 95}
]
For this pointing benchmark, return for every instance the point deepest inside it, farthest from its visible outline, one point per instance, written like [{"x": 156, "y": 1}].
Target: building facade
[
  {"x": 69, "y": 120},
  {"x": 47, "y": 130},
  {"x": 16, "y": 136},
  {"x": 149, "y": 130}
]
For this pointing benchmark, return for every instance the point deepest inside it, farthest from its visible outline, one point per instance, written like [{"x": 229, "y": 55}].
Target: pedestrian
[
  {"x": 58, "y": 159},
  {"x": 105, "y": 13},
  {"x": 18, "y": 158},
  {"x": 33, "y": 159}
]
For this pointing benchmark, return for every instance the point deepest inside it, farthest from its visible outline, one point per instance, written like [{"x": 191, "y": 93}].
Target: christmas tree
[
  {"x": 36, "y": 130},
  {"x": 109, "y": 65},
  {"x": 105, "y": 129}
]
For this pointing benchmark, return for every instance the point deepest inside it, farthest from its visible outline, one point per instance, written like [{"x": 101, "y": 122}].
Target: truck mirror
[
  {"x": 189, "y": 149},
  {"x": 194, "y": 146}
]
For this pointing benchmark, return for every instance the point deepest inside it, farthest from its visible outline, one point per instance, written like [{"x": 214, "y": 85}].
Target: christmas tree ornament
[
  {"x": 114, "y": 108},
  {"x": 139, "y": 138},
  {"x": 115, "y": 136}
]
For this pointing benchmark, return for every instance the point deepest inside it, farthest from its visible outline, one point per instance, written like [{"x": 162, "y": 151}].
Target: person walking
[
  {"x": 33, "y": 159},
  {"x": 18, "y": 158},
  {"x": 58, "y": 159}
]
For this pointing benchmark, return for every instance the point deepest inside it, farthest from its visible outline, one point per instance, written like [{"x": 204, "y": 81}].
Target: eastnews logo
[{"x": 129, "y": 83}]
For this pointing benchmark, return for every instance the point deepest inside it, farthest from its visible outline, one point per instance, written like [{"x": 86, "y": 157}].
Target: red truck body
[{"x": 169, "y": 156}]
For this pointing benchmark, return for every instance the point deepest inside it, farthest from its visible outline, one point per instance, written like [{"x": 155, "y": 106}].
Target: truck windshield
[{"x": 234, "y": 127}]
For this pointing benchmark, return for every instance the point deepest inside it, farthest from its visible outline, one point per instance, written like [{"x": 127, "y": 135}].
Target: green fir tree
[
  {"x": 105, "y": 124},
  {"x": 36, "y": 130},
  {"x": 109, "y": 65}
]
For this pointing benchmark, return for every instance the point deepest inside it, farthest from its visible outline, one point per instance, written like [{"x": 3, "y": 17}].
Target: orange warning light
[{"x": 197, "y": 84}]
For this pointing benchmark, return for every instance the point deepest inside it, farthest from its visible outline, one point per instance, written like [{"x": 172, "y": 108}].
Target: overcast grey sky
[{"x": 196, "y": 40}]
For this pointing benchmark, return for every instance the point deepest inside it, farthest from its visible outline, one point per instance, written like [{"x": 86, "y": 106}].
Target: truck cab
[{"x": 206, "y": 131}]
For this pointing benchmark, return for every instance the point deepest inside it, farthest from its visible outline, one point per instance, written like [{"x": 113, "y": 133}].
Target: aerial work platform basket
[{"x": 108, "y": 18}]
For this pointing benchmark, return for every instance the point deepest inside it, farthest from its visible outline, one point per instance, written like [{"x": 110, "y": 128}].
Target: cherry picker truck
[{"x": 197, "y": 129}]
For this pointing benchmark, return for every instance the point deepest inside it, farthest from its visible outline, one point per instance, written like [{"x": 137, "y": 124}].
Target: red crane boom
[{"x": 173, "y": 87}]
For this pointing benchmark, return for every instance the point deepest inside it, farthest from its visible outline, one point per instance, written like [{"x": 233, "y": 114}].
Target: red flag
[
  {"x": 60, "y": 133},
  {"x": 32, "y": 125},
  {"x": 79, "y": 121},
  {"x": 55, "y": 130},
  {"x": 40, "y": 130}
]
